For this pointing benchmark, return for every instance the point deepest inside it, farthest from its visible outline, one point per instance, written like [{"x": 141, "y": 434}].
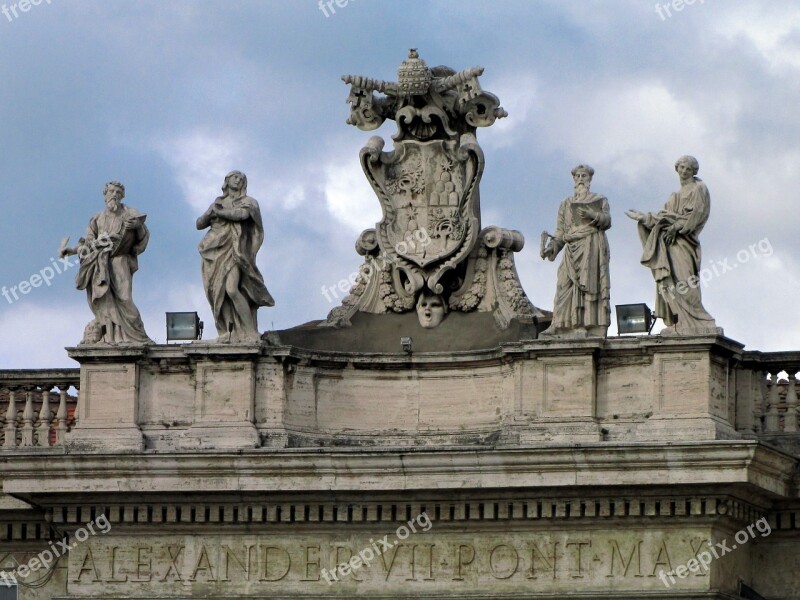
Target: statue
[
  {"x": 431, "y": 310},
  {"x": 108, "y": 257},
  {"x": 672, "y": 253},
  {"x": 581, "y": 306},
  {"x": 234, "y": 286},
  {"x": 430, "y": 240}
]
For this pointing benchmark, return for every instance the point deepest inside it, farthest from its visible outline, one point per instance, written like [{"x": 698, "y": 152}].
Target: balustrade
[{"x": 29, "y": 414}]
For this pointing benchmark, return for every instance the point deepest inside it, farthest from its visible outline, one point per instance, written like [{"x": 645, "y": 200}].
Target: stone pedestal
[
  {"x": 668, "y": 388},
  {"x": 224, "y": 396},
  {"x": 109, "y": 407},
  {"x": 557, "y": 393}
]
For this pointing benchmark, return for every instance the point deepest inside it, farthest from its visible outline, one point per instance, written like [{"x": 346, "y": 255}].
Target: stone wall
[
  {"x": 541, "y": 469},
  {"x": 212, "y": 396}
]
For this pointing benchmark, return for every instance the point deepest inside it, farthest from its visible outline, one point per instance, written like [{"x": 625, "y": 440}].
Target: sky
[{"x": 168, "y": 97}]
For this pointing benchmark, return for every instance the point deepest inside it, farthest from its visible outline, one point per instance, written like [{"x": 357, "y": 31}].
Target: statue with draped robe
[
  {"x": 233, "y": 284},
  {"x": 581, "y": 306},
  {"x": 671, "y": 243},
  {"x": 108, "y": 255}
]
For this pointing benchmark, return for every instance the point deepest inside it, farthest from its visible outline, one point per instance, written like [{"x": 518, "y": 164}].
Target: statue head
[
  {"x": 431, "y": 309},
  {"x": 582, "y": 176},
  {"x": 235, "y": 181},
  {"x": 688, "y": 161},
  {"x": 113, "y": 193}
]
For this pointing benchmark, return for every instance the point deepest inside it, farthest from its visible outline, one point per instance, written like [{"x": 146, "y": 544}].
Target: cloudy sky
[{"x": 168, "y": 96}]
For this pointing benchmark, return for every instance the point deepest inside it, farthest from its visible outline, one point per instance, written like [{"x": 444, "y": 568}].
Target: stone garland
[
  {"x": 511, "y": 286},
  {"x": 472, "y": 298}
]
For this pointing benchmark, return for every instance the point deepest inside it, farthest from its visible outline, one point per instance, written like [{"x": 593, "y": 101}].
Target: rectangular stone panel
[
  {"x": 108, "y": 394},
  {"x": 165, "y": 397},
  {"x": 625, "y": 389},
  {"x": 367, "y": 401},
  {"x": 683, "y": 384},
  {"x": 568, "y": 387},
  {"x": 224, "y": 392}
]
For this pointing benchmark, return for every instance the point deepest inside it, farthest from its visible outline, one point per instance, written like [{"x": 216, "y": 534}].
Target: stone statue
[
  {"x": 431, "y": 310},
  {"x": 429, "y": 243},
  {"x": 672, "y": 253},
  {"x": 108, "y": 257},
  {"x": 234, "y": 286},
  {"x": 581, "y": 307}
]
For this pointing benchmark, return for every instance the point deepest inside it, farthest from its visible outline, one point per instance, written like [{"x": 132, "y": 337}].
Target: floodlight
[
  {"x": 184, "y": 326},
  {"x": 634, "y": 318}
]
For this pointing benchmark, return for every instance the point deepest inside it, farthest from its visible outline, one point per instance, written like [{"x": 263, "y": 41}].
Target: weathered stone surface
[
  {"x": 378, "y": 471},
  {"x": 224, "y": 398},
  {"x": 603, "y": 519},
  {"x": 210, "y": 396},
  {"x": 521, "y": 560}
]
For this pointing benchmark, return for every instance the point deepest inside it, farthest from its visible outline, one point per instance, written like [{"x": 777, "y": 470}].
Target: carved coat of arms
[
  {"x": 428, "y": 251},
  {"x": 428, "y": 192}
]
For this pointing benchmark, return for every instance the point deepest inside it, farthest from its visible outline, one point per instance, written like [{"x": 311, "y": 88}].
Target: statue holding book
[
  {"x": 582, "y": 303},
  {"x": 108, "y": 255}
]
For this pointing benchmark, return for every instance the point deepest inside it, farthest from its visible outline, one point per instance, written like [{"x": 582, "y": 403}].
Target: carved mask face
[{"x": 430, "y": 311}]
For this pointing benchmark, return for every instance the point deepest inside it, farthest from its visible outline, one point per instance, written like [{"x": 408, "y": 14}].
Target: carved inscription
[{"x": 534, "y": 561}]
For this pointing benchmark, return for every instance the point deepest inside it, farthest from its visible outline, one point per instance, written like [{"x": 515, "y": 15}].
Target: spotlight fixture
[
  {"x": 184, "y": 326},
  {"x": 634, "y": 318}
]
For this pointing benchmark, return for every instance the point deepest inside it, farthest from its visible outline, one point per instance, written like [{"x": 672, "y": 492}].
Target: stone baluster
[
  {"x": 771, "y": 423},
  {"x": 61, "y": 416},
  {"x": 27, "y": 420},
  {"x": 43, "y": 430},
  {"x": 790, "y": 420},
  {"x": 11, "y": 421}
]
